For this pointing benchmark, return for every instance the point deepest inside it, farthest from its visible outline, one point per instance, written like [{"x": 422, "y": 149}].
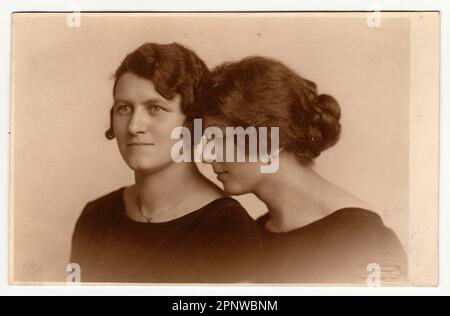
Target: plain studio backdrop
[{"x": 62, "y": 93}]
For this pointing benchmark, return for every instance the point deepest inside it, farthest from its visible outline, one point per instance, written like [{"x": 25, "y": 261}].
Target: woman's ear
[
  {"x": 110, "y": 132},
  {"x": 276, "y": 153}
]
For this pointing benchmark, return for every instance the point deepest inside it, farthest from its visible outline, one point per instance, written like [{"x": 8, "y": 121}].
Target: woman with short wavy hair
[{"x": 173, "y": 225}]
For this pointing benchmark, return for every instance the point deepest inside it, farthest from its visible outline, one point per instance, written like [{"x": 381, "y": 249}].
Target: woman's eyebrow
[
  {"x": 116, "y": 101},
  {"x": 155, "y": 100},
  {"x": 148, "y": 102}
]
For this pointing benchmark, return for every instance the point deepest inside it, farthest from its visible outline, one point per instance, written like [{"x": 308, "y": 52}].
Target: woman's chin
[
  {"x": 148, "y": 167},
  {"x": 231, "y": 189},
  {"x": 140, "y": 167}
]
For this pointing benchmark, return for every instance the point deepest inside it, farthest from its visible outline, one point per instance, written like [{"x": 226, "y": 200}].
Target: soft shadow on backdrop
[{"x": 62, "y": 91}]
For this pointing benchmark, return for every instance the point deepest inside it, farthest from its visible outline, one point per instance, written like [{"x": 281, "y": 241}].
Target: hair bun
[
  {"x": 330, "y": 115},
  {"x": 329, "y": 106}
]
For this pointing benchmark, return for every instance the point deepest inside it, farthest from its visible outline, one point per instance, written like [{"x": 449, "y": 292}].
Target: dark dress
[
  {"x": 336, "y": 249},
  {"x": 218, "y": 243}
]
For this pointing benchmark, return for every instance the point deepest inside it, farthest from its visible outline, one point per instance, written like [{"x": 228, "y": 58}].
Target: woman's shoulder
[
  {"x": 338, "y": 221},
  {"x": 345, "y": 226},
  {"x": 352, "y": 238},
  {"x": 361, "y": 235},
  {"x": 226, "y": 211},
  {"x": 357, "y": 224},
  {"x": 225, "y": 220},
  {"x": 103, "y": 206},
  {"x": 361, "y": 228},
  {"x": 350, "y": 217},
  {"x": 94, "y": 217}
]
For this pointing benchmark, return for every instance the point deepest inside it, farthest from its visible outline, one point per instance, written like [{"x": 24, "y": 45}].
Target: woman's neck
[
  {"x": 297, "y": 196},
  {"x": 165, "y": 189},
  {"x": 169, "y": 189},
  {"x": 163, "y": 183}
]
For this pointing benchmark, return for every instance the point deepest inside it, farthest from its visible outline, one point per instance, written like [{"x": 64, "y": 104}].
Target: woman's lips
[{"x": 140, "y": 144}]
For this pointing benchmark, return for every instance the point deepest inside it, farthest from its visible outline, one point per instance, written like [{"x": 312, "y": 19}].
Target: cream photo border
[{"x": 424, "y": 163}]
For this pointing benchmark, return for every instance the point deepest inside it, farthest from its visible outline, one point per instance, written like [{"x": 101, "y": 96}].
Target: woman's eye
[
  {"x": 156, "y": 108},
  {"x": 124, "y": 109}
]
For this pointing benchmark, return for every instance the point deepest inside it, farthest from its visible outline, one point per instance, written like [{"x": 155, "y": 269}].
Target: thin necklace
[{"x": 151, "y": 219}]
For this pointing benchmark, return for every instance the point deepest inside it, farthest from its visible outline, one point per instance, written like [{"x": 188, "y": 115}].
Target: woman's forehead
[{"x": 133, "y": 89}]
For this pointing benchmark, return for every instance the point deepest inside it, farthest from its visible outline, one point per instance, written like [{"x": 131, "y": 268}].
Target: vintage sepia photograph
[{"x": 225, "y": 148}]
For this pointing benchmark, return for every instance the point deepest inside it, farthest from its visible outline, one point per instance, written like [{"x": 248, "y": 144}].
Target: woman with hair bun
[{"x": 315, "y": 232}]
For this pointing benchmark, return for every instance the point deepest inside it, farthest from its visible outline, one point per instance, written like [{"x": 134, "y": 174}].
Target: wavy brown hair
[
  {"x": 263, "y": 92},
  {"x": 173, "y": 69}
]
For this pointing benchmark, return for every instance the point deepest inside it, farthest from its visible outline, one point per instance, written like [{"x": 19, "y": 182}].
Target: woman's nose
[
  {"x": 213, "y": 151},
  {"x": 138, "y": 123},
  {"x": 209, "y": 158}
]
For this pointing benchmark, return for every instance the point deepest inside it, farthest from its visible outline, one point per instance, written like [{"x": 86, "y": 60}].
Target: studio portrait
[{"x": 221, "y": 148}]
